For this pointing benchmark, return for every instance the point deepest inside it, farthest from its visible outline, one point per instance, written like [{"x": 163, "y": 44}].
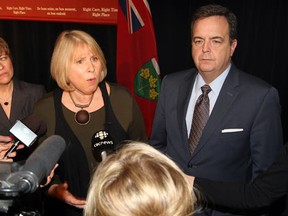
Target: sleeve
[
  {"x": 158, "y": 137},
  {"x": 137, "y": 130},
  {"x": 41, "y": 92},
  {"x": 266, "y": 188},
  {"x": 266, "y": 136},
  {"x": 44, "y": 109},
  {"x": 128, "y": 113}
]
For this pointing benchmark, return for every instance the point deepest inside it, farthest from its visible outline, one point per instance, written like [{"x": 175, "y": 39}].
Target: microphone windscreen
[
  {"x": 46, "y": 155},
  {"x": 35, "y": 124}
]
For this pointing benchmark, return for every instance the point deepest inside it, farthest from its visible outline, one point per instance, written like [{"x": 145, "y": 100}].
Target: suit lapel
[
  {"x": 183, "y": 98},
  {"x": 226, "y": 97},
  {"x": 5, "y": 124},
  {"x": 19, "y": 97}
]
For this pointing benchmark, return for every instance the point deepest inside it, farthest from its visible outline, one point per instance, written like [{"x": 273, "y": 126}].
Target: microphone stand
[{"x": 14, "y": 184}]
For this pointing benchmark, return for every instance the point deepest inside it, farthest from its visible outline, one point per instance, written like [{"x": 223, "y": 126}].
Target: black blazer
[
  {"x": 24, "y": 96},
  {"x": 262, "y": 192}
]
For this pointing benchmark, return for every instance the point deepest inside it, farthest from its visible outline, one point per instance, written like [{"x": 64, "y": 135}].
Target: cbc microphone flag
[{"x": 137, "y": 58}]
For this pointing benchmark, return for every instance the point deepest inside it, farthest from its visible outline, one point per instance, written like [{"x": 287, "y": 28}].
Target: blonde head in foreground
[{"x": 139, "y": 181}]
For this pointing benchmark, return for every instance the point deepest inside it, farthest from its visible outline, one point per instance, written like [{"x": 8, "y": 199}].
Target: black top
[
  {"x": 76, "y": 169},
  {"x": 262, "y": 192},
  {"x": 77, "y": 162}
]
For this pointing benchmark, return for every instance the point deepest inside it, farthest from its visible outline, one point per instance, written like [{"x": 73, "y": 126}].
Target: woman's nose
[{"x": 1, "y": 66}]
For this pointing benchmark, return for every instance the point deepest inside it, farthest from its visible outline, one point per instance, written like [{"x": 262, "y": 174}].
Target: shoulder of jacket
[
  {"x": 24, "y": 84},
  {"x": 181, "y": 74},
  {"x": 46, "y": 99},
  {"x": 118, "y": 89}
]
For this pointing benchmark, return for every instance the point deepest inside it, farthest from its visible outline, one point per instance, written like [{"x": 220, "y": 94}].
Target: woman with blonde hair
[
  {"x": 82, "y": 110},
  {"x": 138, "y": 180}
]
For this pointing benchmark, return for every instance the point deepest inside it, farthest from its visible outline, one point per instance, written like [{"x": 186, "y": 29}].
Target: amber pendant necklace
[
  {"x": 6, "y": 101},
  {"x": 82, "y": 117}
]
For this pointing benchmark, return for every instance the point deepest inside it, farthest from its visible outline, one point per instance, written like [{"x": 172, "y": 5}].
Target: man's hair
[
  {"x": 217, "y": 10},
  {"x": 139, "y": 180}
]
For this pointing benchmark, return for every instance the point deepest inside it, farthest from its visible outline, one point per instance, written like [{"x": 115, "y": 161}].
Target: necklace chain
[
  {"x": 10, "y": 90},
  {"x": 79, "y": 105},
  {"x": 6, "y": 101}
]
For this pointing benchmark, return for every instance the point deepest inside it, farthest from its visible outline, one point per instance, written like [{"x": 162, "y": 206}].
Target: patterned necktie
[{"x": 200, "y": 117}]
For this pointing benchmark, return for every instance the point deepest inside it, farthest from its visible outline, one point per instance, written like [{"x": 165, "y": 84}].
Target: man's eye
[
  {"x": 216, "y": 42},
  {"x": 198, "y": 42}
]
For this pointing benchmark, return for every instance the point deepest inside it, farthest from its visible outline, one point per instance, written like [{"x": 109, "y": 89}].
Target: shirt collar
[{"x": 216, "y": 84}]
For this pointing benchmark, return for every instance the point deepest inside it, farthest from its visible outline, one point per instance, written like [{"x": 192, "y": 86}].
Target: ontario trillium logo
[{"x": 147, "y": 81}]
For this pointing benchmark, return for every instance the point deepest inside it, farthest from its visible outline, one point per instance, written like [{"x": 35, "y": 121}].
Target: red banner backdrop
[
  {"x": 137, "y": 58},
  {"x": 85, "y": 11}
]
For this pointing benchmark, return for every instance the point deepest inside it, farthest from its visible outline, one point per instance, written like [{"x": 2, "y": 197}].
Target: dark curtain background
[
  {"x": 32, "y": 44},
  {"x": 262, "y": 42}
]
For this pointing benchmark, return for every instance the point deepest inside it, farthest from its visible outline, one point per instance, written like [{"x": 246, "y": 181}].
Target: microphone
[
  {"x": 24, "y": 132},
  {"x": 38, "y": 165},
  {"x": 102, "y": 144}
]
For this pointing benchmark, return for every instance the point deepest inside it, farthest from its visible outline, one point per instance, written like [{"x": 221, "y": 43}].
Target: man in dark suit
[{"x": 243, "y": 133}]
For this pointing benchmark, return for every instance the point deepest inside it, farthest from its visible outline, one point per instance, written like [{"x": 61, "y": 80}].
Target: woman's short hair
[
  {"x": 139, "y": 180},
  {"x": 64, "y": 51},
  {"x": 4, "y": 48}
]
